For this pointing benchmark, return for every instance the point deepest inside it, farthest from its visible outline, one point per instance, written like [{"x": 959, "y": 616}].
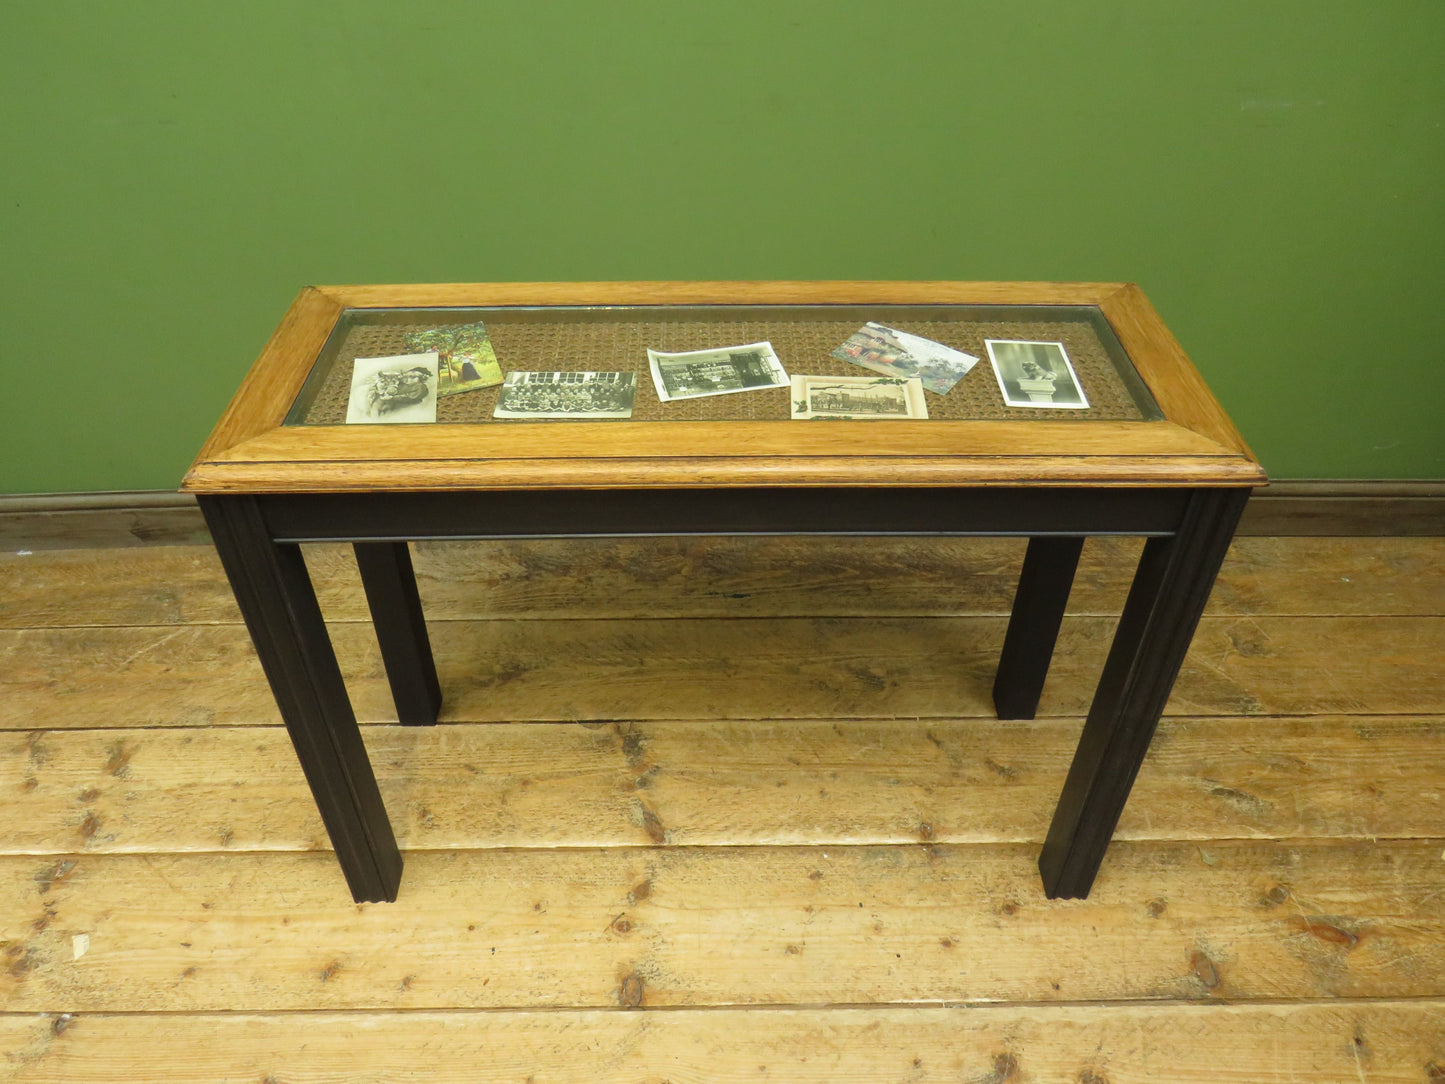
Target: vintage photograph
[
  {"x": 467, "y": 360},
  {"x": 900, "y": 353},
  {"x": 858, "y": 398},
  {"x": 716, "y": 372},
  {"x": 1032, "y": 374},
  {"x": 567, "y": 395},
  {"x": 394, "y": 390}
]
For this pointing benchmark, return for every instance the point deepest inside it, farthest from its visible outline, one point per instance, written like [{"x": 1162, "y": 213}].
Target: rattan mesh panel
[{"x": 805, "y": 347}]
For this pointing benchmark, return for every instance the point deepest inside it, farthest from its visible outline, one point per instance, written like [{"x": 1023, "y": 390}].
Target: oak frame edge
[
  {"x": 721, "y": 292},
  {"x": 939, "y": 472},
  {"x": 1181, "y": 391},
  {"x": 307, "y": 324}
]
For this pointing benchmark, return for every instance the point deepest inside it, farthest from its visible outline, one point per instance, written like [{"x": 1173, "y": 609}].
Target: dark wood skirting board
[
  {"x": 1370, "y": 508},
  {"x": 57, "y": 521},
  {"x": 159, "y": 518}
]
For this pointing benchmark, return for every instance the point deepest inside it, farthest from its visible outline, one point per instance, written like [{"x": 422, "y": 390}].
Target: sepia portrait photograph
[
  {"x": 1035, "y": 374},
  {"x": 395, "y": 390}
]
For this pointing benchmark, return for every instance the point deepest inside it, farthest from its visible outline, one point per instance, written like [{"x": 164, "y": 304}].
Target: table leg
[
  {"x": 1033, "y": 626},
  {"x": 1170, "y": 588},
  {"x": 390, "y": 584},
  {"x": 279, "y": 606}
]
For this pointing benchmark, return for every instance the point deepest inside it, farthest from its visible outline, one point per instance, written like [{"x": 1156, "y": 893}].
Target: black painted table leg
[
  {"x": 1033, "y": 626},
  {"x": 390, "y": 584},
  {"x": 1170, "y": 589},
  {"x": 279, "y": 606}
]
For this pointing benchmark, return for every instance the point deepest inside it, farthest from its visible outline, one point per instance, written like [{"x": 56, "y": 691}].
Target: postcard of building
[
  {"x": 719, "y": 371},
  {"x": 1035, "y": 374},
  {"x": 857, "y": 398},
  {"x": 468, "y": 361},
  {"x": 901, "y": 353},
  {"x": 394, "y": 390},
  {"x": 537, "y": 395}
]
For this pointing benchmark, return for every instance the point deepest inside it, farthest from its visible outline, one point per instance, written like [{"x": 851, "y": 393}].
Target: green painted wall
[{"x": 173, "y": 171}]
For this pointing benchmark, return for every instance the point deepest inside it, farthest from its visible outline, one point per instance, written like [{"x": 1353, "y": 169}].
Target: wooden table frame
[{"x": 266, "y": 488}]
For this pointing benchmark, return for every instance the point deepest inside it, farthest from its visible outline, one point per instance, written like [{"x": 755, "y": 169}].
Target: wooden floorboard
[
  {"x": 715, "y": 783},
  {"x": 1379, "y": 1042},
  {"x": 721, "y": 577},
  {"x": 725, "y": 810},
  {"x": 747, "y": 668},
  {"x": 688, "y": 926}
]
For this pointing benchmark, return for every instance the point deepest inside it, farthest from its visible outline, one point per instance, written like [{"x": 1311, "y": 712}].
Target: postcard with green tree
[{"x": 467, "y": 360}]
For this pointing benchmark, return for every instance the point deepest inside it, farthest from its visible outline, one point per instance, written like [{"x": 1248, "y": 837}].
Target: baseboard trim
[
  {"x": 54, "y": 521},
  {"x": 1349, "y": 508},
  {"x": 162, "y": 518}
]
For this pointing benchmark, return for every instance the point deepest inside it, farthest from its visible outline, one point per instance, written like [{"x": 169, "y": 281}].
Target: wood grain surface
[
  {"x": 1377, "y": 1041},
  {"x": 689, "y": 926},
  {"x": 1177, "y": 385},
  {"x": 771, "y": 292},
  {"x": 459, "y": 457},
  {"x": 788, "y": 841},
  {"x": 712, "y": 783},
  {"x": 274, "y": 380},
  {"x": 723, "y": 577},
  {"x": 744, "y": 668}
]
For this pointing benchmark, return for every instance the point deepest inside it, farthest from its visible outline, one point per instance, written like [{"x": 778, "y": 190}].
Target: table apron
[{"x": 865, "y": 510}]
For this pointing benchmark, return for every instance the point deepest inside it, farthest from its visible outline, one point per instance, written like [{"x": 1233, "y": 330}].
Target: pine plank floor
[{"x": 724, "y": 810}]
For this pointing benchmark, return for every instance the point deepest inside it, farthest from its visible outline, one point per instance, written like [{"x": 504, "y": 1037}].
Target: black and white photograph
[
  {"x": 539, "y": 395},
  {"x": 1034, "y": 374},
  {"x": 858, "y": 398},
  {"x": 394, "y": 391},
  {"x": 900, "y": 353},
  {"x": 720, "y": 371}
]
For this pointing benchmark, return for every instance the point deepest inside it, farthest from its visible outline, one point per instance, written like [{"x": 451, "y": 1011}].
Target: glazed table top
[{"x": 1150, "y": 420}]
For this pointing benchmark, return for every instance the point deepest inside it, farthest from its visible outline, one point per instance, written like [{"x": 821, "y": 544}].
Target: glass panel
[{"x": 616, "y": 339}]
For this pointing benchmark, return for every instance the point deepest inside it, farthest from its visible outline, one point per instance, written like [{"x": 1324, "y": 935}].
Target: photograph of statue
[{"x": 1035, "y": 374}]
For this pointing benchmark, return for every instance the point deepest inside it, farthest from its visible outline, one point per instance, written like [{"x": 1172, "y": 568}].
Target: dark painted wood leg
[
  {"x": 1170, "y": 589},
  {"x": 1033, "y": 626},
  {"x": 390, "y": 584},
  {"x": 279, "y": 606}
]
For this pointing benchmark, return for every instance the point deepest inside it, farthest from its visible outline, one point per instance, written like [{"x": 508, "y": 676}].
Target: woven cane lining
[{"x": 805, "y": 347}]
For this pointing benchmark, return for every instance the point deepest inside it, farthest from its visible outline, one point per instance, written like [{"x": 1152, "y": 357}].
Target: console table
[{"x": 1153, "y": 455}]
